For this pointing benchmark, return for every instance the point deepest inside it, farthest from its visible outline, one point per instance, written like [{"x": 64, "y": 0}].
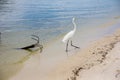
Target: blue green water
[{"x": 44, "y": 14}]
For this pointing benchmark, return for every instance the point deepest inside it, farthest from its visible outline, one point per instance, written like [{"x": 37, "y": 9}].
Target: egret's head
[{"x": 73, "y": 18}]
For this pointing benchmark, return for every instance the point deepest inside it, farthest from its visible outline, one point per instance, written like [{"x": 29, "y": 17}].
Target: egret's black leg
[
  {"x": 67, "y": 46},
  {"x": 74, "y": 45}
]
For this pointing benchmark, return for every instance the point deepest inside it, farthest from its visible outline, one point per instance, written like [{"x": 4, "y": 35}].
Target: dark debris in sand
[{"x": 100, "y": 51}]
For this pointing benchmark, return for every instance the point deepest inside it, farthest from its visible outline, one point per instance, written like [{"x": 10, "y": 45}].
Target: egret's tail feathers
[{"x": 64, "y": 39}]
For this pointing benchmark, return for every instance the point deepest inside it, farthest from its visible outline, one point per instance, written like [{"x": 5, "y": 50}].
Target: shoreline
[
  {"x": 73, "y": 66},
  {"x": 54, "y": 55},
  {"x": 95, "y": 55}
]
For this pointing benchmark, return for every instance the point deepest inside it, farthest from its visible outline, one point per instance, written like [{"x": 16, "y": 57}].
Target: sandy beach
[{"x": 97, "y": 61}]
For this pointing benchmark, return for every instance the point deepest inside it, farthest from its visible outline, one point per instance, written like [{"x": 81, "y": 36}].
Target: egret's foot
[{"x": 75, "y": 46}]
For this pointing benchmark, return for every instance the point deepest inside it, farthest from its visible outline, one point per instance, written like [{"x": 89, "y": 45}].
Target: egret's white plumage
[{"x": 70, "y": 34}]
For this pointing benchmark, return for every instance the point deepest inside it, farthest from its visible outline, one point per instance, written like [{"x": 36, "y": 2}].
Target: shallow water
[
  {"x": 43, "y": 14},
  {"x": 49, "y": 19}
]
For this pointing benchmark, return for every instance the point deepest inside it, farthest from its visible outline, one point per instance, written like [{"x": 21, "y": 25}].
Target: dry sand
[{"x": 99, "y": 61}]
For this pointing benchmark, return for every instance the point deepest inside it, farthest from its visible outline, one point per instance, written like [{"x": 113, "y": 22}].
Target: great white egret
[{"x": 69, "y": 36}]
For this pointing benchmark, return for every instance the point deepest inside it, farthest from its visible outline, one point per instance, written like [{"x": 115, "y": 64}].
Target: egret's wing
[{"x": 68, "y": 36}]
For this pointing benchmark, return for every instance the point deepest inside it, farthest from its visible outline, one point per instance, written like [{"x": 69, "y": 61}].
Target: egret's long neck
[{"x": 74, "y": 25}]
